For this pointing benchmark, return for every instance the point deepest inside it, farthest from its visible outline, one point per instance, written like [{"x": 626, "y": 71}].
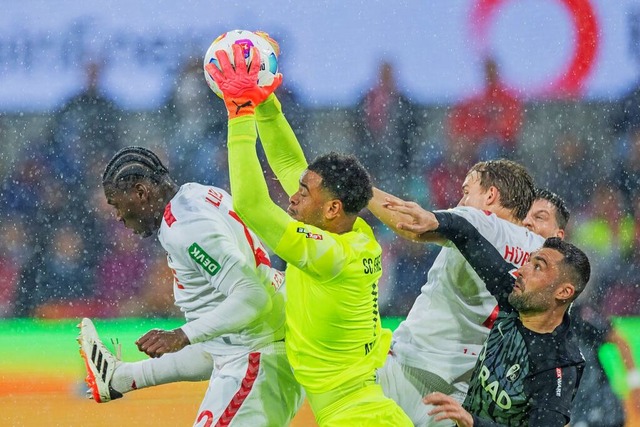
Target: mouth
[
  {"x": 518, "y": 284},
  {"x": 291, "y": 212}
]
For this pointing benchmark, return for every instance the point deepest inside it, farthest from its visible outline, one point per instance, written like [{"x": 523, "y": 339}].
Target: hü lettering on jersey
[{"x": 516, "y": 255}]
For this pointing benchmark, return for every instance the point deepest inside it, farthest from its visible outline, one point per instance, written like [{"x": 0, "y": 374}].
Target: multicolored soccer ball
[{"x": 269, "y": 51}]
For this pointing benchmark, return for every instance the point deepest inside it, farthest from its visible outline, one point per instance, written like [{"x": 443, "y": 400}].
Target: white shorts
[
  {"x": 407, "y": 386},
  {"x": 255, "y": 389}
]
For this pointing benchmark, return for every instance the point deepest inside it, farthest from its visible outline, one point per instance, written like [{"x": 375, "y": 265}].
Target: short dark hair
[
  {"x": 131, "y": 164},
  {"x": 562, "y": 212},
  {"x": 345, "y": 178},
  {"x": 512, "y": 180},
  {"x": 575, "y": 263}
]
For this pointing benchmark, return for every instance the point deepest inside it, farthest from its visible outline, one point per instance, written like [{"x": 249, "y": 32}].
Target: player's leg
[
  {"x": 395, "y": 386},
  {"x": 407, "y": 386},
  {"x": 366, "y": 406},
  {"x": 256, "y": 389},
  {"x": 191, "y": 363},
  {"x": 109, "y": 378}
]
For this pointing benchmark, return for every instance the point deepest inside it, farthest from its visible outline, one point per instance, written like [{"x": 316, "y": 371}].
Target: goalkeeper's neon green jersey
[
  {"x": 334, "y": 335},
  {"x": 332, "y": 321}
]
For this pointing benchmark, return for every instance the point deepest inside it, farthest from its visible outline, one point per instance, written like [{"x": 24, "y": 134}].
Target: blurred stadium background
[{"x": 391, "y": 83}]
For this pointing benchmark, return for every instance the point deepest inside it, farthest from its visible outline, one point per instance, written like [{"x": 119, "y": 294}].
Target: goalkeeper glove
[{"x": 239, "y": 85}]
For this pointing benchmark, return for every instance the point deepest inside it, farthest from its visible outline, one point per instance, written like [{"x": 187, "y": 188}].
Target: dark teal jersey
[{"x": 521, "y": 378}]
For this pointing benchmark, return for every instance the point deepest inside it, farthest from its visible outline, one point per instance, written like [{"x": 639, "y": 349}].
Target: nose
[
  {"x": 294, "y": 199},
  {"x": 522, "y": 271},
  {"x": 528, "y": 223}
]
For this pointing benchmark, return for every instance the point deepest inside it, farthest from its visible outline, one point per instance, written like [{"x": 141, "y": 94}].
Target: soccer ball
[{"x": 268, "y": 48}]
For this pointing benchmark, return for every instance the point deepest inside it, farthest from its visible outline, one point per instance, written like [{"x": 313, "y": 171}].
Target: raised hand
[
  {"x": 239, "y": 85},
  {"x": 422, "y": 220}
]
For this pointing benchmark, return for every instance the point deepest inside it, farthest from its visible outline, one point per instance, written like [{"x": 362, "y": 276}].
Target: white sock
[{"x": 188, "y": 364}]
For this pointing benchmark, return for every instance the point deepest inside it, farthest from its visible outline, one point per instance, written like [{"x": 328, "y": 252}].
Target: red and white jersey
[
  {"x": 450, "y": 320},
  {"x": 208, "y": 250}
]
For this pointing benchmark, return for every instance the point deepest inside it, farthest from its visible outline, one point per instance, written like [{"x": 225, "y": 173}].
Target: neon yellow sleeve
[
  {"x": 319, "y": 253},
  {"x": 249, "y": 190},
  {"x": 280, "y": 144}
]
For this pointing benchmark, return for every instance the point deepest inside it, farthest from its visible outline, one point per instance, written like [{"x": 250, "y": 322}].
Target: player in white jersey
[
  {"x": 224, "y": 284},
  {"x": 436, "y": 347}
]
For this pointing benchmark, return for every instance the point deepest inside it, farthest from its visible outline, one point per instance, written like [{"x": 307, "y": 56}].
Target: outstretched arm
[
  {"x": 241, "y": 94},
  {"x": 251, "y": 198},
  {"x": 495, "y": 272},
  {"x": 479, "y": 253},
  {"x": 280, "y": 144},
  {"x": 407, "y": 219}
]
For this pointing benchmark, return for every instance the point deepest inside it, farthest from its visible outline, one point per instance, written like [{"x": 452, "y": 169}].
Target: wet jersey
[
  {"x": 521, "y": 377},
  {"x": 210, "y": 250},
  {"x": 334, "y": 333},
  {"x": 449, "y": 321}
]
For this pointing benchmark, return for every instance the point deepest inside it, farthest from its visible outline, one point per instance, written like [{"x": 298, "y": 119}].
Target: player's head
[
  {"x": 136, "y": 184},
  {"x": 548, "y": 215},
  {"x": 499, "y": 183},
  {"x": 553, "y": 277},
  {"x": 334, "y": 186}
]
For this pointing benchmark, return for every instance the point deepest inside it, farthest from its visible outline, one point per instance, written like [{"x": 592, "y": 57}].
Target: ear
[
  {"x": 560, "y": 234},
  {"x": 493, "y": 195},
  {"x": 564, "y": 292},
  {"x": 141, "y": 191},
  {"x": 332, "y": 209}
]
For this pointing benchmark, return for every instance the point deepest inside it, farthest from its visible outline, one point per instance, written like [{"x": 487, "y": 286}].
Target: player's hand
[
  {"x": 447, "y": 408},
  {"x": 422, "y": 221},
  {"x": 238, "y": 85},
  {"x": 157, "y": 342}
]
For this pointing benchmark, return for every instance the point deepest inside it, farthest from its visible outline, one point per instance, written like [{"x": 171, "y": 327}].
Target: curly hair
[{"x": 345, "y": 178}]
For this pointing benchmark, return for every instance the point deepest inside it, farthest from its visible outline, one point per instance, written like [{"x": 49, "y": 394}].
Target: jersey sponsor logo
[
  {"x": 309, "y": 235},
  {"x": 516, "y": 255},
  {"x": 498, "y": 395},
  {"x": 514, "y": 372},
  {"x": 558, "y": 382},
  {"x": 372, "y": 265},
  {"x": 204, "y": 259}
]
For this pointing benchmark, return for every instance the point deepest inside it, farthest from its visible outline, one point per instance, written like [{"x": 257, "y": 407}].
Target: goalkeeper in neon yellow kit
[{"x": 334, "y": 340}]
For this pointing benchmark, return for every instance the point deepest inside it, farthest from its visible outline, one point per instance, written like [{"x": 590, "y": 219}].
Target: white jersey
[
  {"x": 450, "y": 320},
  {"x": 208, "y": 250}
]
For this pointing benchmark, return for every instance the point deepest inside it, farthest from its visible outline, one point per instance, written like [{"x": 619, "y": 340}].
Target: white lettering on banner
[{"x": 145, "y": 45}]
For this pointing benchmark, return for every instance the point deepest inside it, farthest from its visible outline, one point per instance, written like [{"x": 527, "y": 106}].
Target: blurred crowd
[{"x": 63, "y": 254}]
